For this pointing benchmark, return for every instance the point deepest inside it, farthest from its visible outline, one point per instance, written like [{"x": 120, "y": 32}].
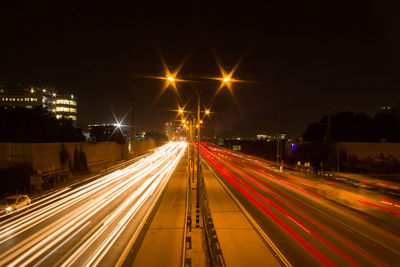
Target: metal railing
[{"x": 213, "y": 248}]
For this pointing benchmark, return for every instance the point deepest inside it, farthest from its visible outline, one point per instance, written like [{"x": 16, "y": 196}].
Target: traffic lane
[
  {"x": 271, "y": 224},
  {"x": 57, "y": 209},
  {"x": 305, "y": 227},
  {"x": 390, "y": 203},
  {"x": 349, "y": 217},
  {"x": 132, "y": 219},
  {"x": 340, "y": 227},
  {"x": 106, "y": 247},
  {"x": 65, "y": 217},
  {"x": 87, "y": 229},
  {"x": 379, "y": 229},
  {"x": 376, "y": 205},
  {"x": 355, "y": 199},
  {"x": 91, "y": 253},
  {"x": 107, "y": 189}
]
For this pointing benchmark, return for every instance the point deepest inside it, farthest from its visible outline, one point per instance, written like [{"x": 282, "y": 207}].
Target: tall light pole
[
  {"x": 226, "y": 80},
  {"x": 198, "y": 131}
]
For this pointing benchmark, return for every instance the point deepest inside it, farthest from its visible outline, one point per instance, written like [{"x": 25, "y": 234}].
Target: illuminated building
[
  {"x": 18, "y": 95},
  {"x": 65, "y": 106}
]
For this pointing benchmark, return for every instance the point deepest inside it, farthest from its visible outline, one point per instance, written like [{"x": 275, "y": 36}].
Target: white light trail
[{"x": 75, "y": 207}]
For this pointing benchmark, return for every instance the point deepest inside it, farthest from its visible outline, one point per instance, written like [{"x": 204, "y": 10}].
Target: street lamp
[{"x": 225, "y": 81}]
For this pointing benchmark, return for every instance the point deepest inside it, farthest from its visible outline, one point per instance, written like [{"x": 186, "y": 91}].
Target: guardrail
[{"x": 213, "y": 247}]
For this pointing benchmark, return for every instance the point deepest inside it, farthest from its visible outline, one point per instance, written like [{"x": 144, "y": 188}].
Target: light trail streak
[
  {"x": 154, "y": 170},
  {"x": 62, "y": 244},
  {"x": 230, "y": 177},
  {"x": 69, "y": 199},
  {"x": 223, "y": 160},
  {"x": 96, "y": 258}
]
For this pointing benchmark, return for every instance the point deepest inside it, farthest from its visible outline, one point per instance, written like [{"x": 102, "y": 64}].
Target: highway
[
  {"x": 310, "y": 221},
  {"x": 89, "y": 223}
]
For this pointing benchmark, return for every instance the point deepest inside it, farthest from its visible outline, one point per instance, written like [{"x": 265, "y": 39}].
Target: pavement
[
  {"x": 162, "y": 244},
  {"x": 241, "y": 245}
]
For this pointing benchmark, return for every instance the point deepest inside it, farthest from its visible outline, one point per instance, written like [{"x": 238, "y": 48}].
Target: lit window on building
[
  {"x": 72, "y": 102},
  {"x": 62, "y": 101},
  {"x": 63, "y": 109}
]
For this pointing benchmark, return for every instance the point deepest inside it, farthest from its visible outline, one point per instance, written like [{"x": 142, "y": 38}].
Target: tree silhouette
[
  {"x": 36, "y": 125},
  {"x": 355, "y": 127}
]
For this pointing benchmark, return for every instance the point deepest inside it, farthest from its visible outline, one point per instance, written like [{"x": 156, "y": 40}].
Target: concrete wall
[
  {"x": 364, "y": 150},
  {"x": 46, "y": 156},
  {"x": 144, "y": 146}
]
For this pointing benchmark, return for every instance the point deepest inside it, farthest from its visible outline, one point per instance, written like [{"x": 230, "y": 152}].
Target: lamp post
[{"x": 226, "y": 80}]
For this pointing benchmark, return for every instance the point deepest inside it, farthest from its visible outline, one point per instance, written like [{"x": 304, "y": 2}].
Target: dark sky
[{"x": 306, "y": 59}]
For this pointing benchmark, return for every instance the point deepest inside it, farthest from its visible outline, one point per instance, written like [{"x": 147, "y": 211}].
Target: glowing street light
[
  {"x": 227, "y": 79},
  {"x": 207, "y": 111},
  {"x": 180, "y": 110},
  {"x": 171, "y": 79}
]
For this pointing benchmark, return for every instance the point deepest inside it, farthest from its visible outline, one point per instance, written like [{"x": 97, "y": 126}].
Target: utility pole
[
  {"x": 279, "y": 158},
  {"x": 328, "y": 130}
]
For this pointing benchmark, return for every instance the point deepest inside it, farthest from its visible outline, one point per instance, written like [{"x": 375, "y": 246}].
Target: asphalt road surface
[
  {"x": 90, "y": 223},
  {"x": 311, "y": 222}
]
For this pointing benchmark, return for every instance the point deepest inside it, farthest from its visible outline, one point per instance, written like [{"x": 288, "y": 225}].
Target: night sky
[{"x": 307, "y": 59}]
